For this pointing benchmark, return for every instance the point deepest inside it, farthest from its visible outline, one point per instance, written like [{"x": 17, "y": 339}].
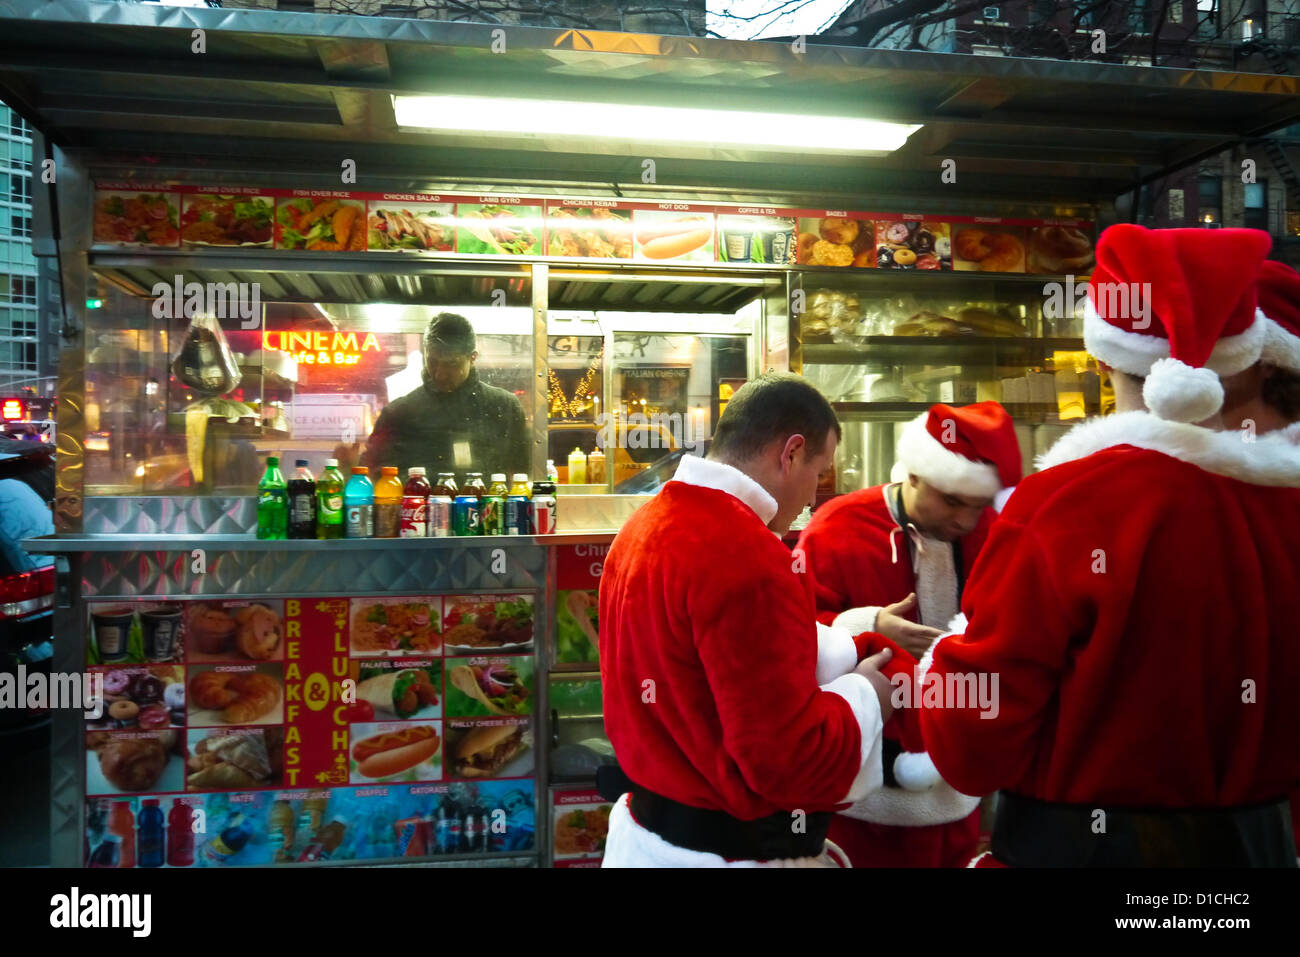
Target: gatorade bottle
[
  {"x": 359, "y": 504},
  {"x": 302, "y": 502},
  {"x": 494, "y": 506},
  {"x": 415, "y": 504},
  {"x": 122, "y": 824},
  {"x": 329, "y": 502},
  {"x": 272, "y": 502},
  {"x": 388, "y": 503},
  {"x": 150, "y": 841},
  {"x": 441, "y": 499},
  {"x": 180, "y": 834},
  {"x": 518, "y": 507}
]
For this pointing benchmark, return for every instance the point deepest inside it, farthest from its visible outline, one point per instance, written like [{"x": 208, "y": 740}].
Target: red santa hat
[
  {"x": 970, "y": 450},
  {"x": 1177, "y": 306},
  {"x": 1279, "y": 300}
]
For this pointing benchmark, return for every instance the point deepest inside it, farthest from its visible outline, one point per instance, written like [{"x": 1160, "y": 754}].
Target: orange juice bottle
[
  {"x": 122, "y": 823},
  {"x": 388, "y": 504}
]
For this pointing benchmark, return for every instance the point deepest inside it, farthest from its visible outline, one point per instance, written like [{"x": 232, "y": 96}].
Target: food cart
[{"x": 268, "y": 180}]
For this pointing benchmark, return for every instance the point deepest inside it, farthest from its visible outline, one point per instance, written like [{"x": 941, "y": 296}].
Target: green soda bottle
[
  {"x": 272, "y": 502},
  {"x": 329, "y": 501}
]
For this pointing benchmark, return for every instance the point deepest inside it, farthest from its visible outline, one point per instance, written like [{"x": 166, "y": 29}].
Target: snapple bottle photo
[{"x": 415, "y": 504}]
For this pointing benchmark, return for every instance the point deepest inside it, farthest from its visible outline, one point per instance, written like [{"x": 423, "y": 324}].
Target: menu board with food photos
[
  {"x": 577, "y": 625},
  {"x": 296, "y": 730},
  {"x": 193, "y": 216},
  {"x": 579, "y": 827}
]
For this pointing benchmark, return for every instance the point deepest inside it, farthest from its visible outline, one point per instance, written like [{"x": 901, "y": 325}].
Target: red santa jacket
[
  {"x": 1137, "y": 603},
  {"x": 708, "y": 656},
  {"x": 858, "y": 558}
]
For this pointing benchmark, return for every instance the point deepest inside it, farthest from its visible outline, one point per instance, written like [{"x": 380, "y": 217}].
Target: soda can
[
  {"x": 518, "y": 516},
  {"x": 466, "y": 518},
  {"x": 493, "y": 518},
  {"x": 544, "y": 508},
  {"x": 440, "y": 508}
]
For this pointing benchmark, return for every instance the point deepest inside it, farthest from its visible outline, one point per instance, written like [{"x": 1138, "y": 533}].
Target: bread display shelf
[
  {"x": 935, "y": 350},
  {"x": 1027, "y": 413}
]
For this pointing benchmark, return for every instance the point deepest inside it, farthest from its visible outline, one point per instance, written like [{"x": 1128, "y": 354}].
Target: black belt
[
  {"x": 716, "y": 832},
  {"x": 1033, "y": 833}
]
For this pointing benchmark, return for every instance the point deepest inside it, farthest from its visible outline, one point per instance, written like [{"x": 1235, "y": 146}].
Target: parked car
[{"x": 26, "y": 580}]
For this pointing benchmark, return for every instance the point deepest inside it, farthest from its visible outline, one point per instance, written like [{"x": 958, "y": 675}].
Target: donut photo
[{"x": 913, "y": 244}]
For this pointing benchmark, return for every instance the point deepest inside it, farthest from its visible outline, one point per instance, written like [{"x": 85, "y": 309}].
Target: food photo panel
[
  {"x": 488, "y": 748},
  {"x": 228, "y": 759},
  {"x": 225, "y": 695},
  {"x": 485, "y": 687},
  {"x": 396, "y": 627},
  {"x": 395, "y": 751},
  {"x": 839, "y": 241},
  {"x": 488, "y": 624},
  {"x": 235, "y": 631},
  {"x": 141, "y": 698},
  {"x": 130, "y": 762},
  {"x": 397, "y": 690}
]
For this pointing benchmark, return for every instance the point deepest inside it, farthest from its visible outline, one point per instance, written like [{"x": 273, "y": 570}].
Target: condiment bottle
[{"x": 577, "y": 467}]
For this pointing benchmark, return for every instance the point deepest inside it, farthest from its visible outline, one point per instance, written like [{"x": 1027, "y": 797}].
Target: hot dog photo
[
  {"x": 680, "y": 236},
  {"x": 392, "y": 751}
]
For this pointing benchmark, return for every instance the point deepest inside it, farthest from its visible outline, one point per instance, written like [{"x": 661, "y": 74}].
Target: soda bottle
[
  {"x": 415, "y": 504},
  {"x": 467, "y": 518},
  {"x": 388, "y": 503},
  {"x": 544, "y": 508},
  {"x": 122, "y": 823},
  {"x": 150, "y": 842},
  {"x": 552, "y": 473},
  {"x": 359, "y": 503},
  {"x": 441, "y": 499},
  {"x": 494, "y": 506},
  {"x": 518, "y": 507},
  {"x": 302, "y": 502},
  {"x": 329, "y": 502},
  {"x": 272, "y": 502},
  {"x": 180, "y": 835}
]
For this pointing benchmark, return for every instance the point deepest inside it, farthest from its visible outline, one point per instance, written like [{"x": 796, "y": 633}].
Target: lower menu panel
[{"x": 241, "y": 732}]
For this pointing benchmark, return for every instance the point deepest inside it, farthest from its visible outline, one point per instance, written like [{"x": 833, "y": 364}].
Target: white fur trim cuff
[
  {"x": 895, "y": 807},
  {"x": 1177, "y": 392},
  {"x": 1000, "y": 500},
  {"x": 861, "y": 696},
  {"x": 975, "y": 861},
  {"x": 836, "y": 653},
  {"x": 1136, "y": 352},
  {"x": 1281, "y": 348},
  {"x": 857, "y": 620},
  {"x": 925, "y": 457}
]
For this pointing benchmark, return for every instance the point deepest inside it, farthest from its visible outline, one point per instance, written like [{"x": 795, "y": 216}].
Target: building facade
[{"x": 24, "y": 364}]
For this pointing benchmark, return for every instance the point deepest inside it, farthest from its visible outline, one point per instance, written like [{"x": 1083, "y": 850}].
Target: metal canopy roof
[{"x": 289, "y": 95}]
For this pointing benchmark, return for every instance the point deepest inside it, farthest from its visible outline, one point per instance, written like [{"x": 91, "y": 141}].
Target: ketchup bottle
[{"x": 180, "y": 835}]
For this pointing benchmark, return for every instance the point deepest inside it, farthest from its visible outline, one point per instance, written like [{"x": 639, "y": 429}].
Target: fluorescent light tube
[{"x": 793, "y": 132}]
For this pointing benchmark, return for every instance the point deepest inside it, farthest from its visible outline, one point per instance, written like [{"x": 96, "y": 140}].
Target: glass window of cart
[
  {"x": 631, "y": 393},
  {"x": 193, "y": 405}
]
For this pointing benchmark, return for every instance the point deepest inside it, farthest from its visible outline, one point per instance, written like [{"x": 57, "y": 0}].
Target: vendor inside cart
[{"x": 454, "y": 422}]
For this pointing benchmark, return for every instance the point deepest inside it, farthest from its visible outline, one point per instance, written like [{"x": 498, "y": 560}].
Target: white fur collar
[
  {"x": 707, "y": 473},
  {"x": 1271, "y": 459}
]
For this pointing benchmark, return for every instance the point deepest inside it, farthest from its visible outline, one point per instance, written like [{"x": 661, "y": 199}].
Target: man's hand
[
  {"x": 869, "y": 668},
  {"x": 348, "y": 456},
  {"x": 913, "y": 638}
]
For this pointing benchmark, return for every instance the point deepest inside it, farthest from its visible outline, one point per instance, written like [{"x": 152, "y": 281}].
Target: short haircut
[
  {"x": 773, "y": 407},
  {"x": 1281, "y": 390},
  {"x": 450, "y": 331}
]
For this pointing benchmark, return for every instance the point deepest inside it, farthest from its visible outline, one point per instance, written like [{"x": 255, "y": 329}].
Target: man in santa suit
[
  {"x": 892, "y": 560},
  {"x": 740, "y": 728},
  {"x": 1137, "y": 598}
]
